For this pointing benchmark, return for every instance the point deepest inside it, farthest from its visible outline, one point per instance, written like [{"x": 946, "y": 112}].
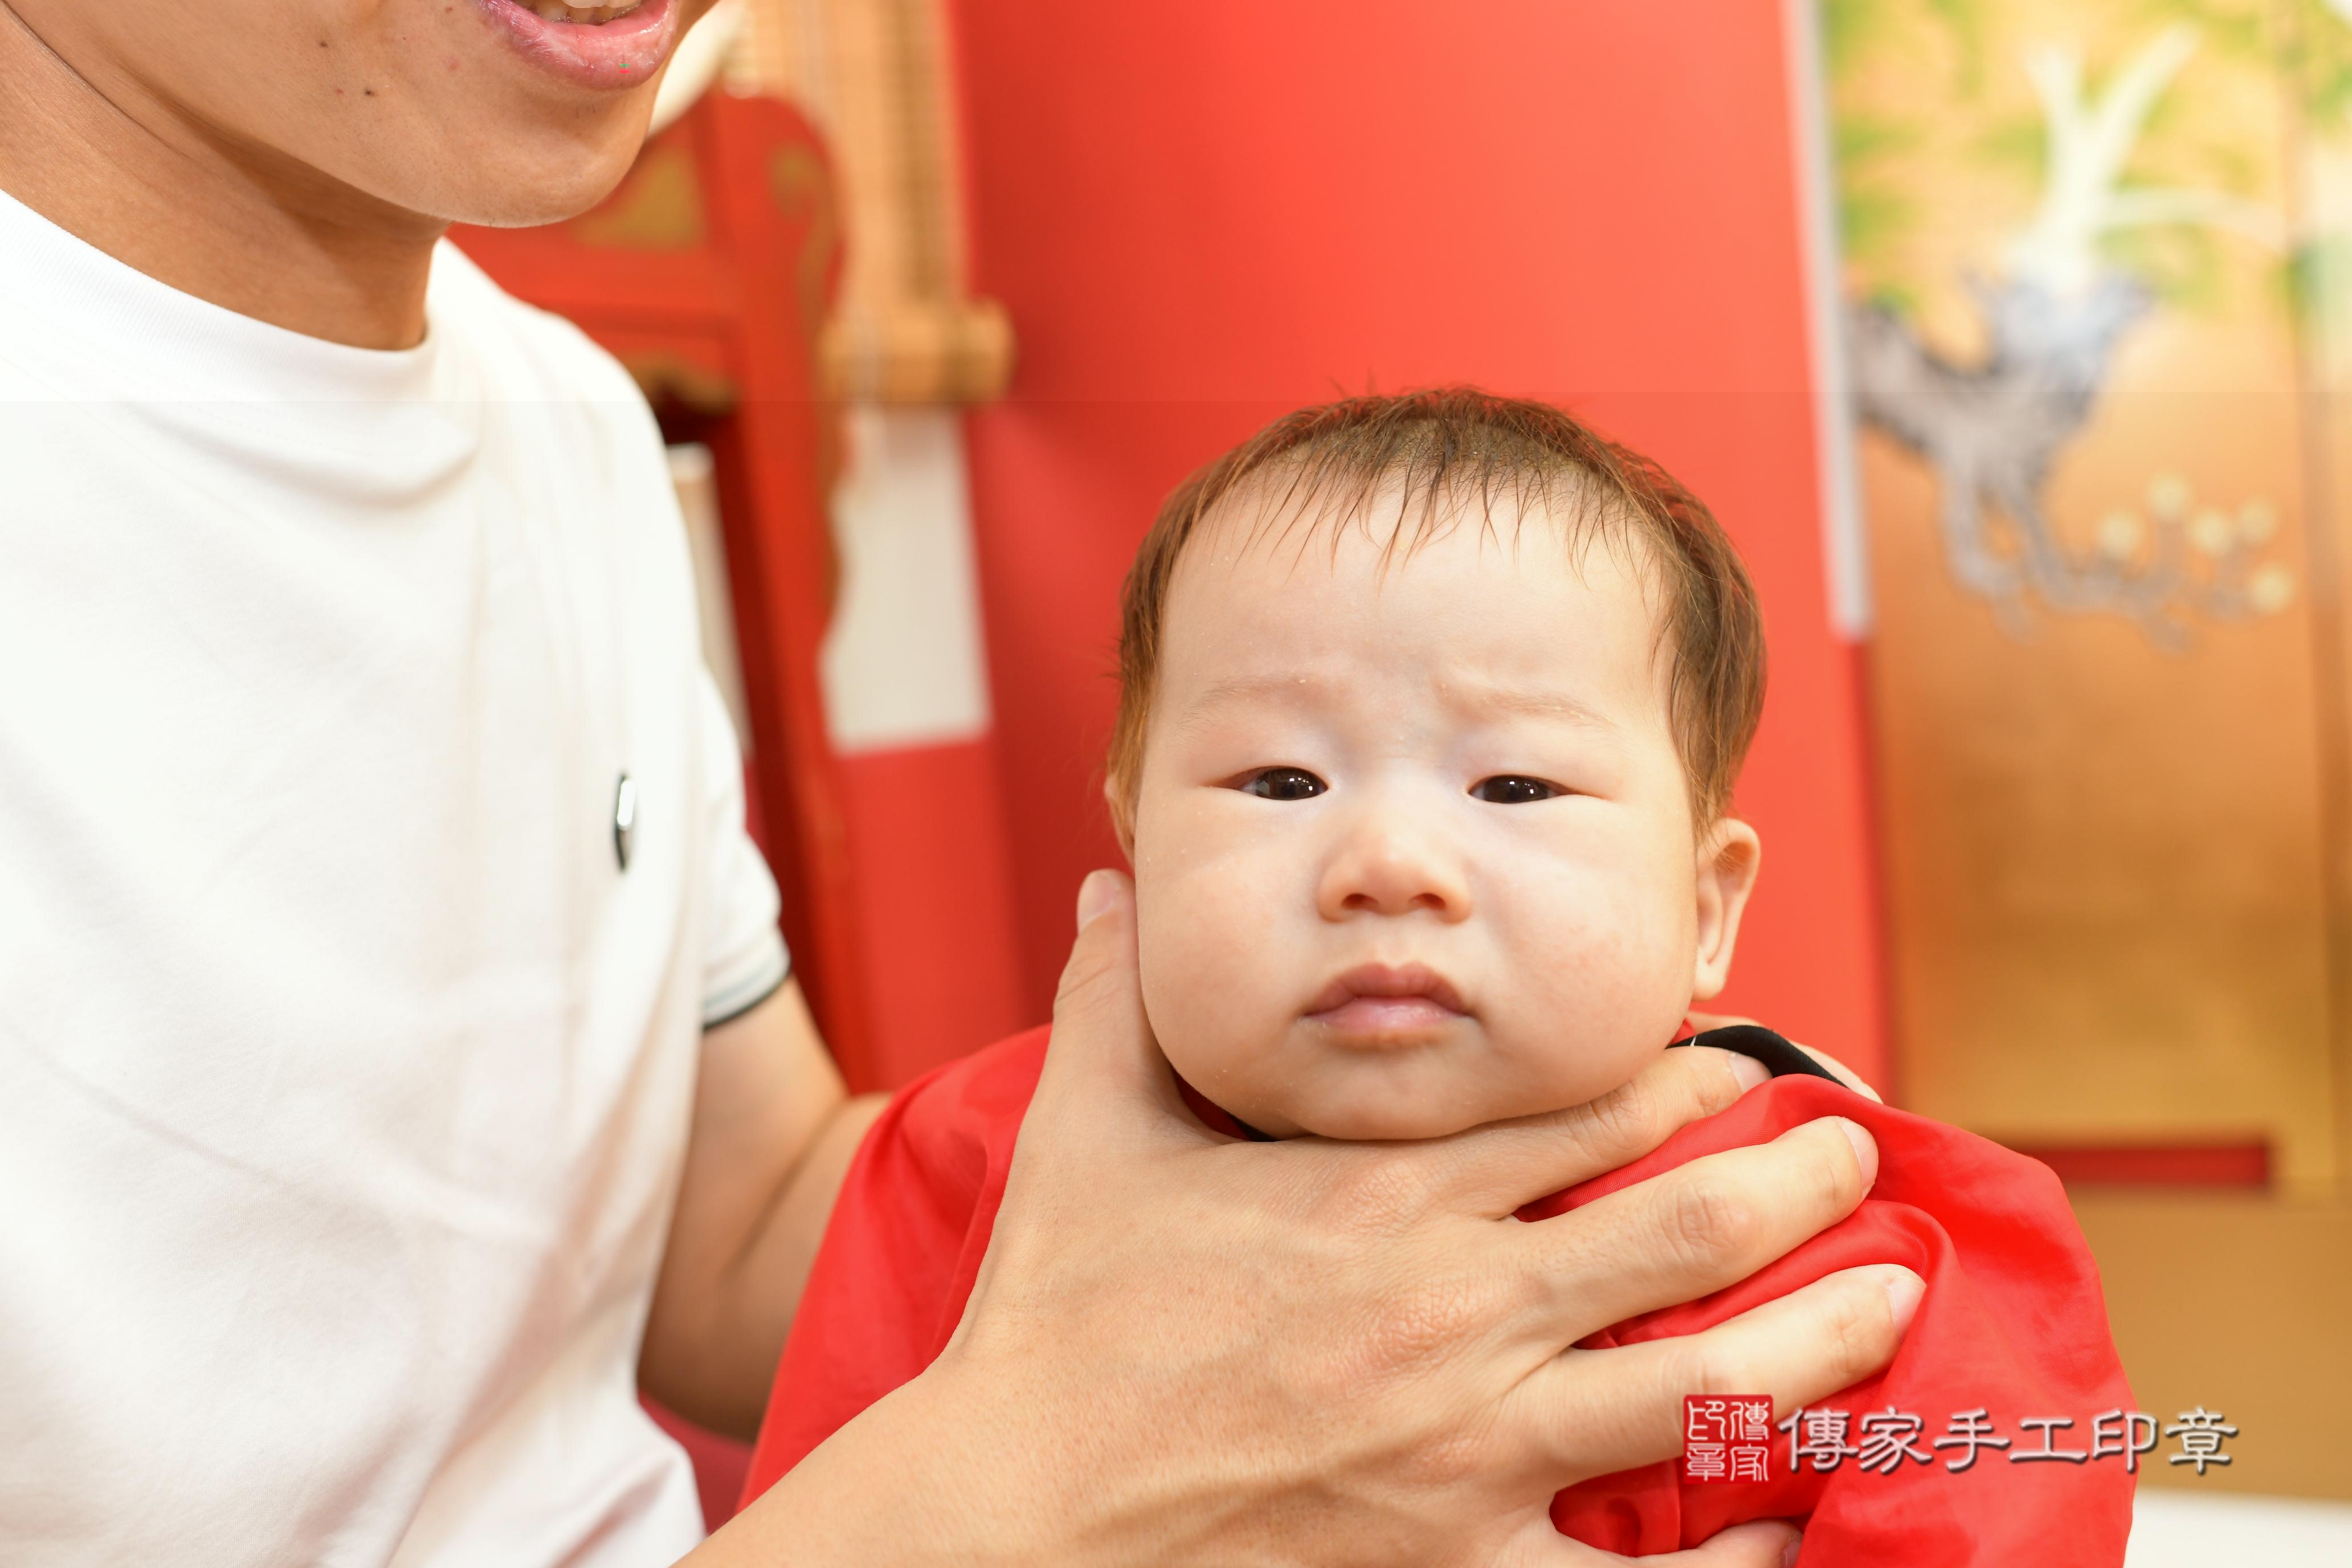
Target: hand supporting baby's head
[{"x": 1431, "y": 709}]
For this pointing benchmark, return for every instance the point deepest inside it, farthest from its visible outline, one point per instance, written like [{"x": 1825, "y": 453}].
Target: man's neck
[{"x": 123, "y": 170}]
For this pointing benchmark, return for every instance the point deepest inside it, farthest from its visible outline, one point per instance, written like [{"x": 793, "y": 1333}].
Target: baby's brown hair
[{"x": 1452, "y": 445}]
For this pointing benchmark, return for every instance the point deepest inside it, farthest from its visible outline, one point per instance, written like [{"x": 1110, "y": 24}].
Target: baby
[{"x": 1430, "y": 712}]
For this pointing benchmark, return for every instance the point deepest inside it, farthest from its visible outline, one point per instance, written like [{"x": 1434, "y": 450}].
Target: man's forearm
[
  {"x": 920, "y": 1477},
  {"x": 774, "y": 1134},
  {"x": 711, "y": 1359}
]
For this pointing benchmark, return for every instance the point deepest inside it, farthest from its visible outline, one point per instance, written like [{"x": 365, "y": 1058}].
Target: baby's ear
[{"x": 1729, "y": 854}]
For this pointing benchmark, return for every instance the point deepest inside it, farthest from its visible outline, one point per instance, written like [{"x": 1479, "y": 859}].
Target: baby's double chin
[
  {"x": 1373, "y": 1087},
  {"x": 1398, "y": 1124},
  {"x": 1466, "y": 1073}
]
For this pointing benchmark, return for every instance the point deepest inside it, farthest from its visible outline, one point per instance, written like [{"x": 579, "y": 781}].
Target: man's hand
[
  {"x": 772, "y": 1135},
  {"x": 1184, "y": 1348}
]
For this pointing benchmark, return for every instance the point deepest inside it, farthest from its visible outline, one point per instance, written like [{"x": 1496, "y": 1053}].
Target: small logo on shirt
[{"x": 625, "y": 819}]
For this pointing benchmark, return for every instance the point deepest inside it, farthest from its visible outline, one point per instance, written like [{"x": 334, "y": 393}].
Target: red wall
[
  {"x": 945, "y": 970},
  {"x": 1201, "y": 215}
]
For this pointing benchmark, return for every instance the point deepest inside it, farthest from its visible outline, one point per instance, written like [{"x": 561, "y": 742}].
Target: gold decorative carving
[
  {"x": 658, "y": 207},
  {"x": 801, "y": 187},
  {"x": 871, "y": 73},
  {"x": 918, "y": 352}
]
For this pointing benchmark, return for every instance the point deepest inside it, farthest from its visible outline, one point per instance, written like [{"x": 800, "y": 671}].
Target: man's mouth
[
  {"x": 620, "y": 44},
  {"x": 588, "y": 15},
  {"x": 1380, "y": 1005}
]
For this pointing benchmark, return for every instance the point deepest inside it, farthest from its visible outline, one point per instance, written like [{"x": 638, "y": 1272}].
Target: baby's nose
[{"x": 1391, "y": 869}]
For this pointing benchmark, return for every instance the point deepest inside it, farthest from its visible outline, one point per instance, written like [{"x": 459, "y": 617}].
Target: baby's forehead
[
  {"x": 1278, "y": 521},
  {"x": 1415, "y": 485},
  {"x": 1378, "y": 611}
]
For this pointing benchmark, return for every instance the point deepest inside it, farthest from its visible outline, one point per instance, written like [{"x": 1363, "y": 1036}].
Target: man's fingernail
[
  {"x": 1865, "y": 1148},
  {"x": 1789, "y": 1552},
  {"x": 1096, "y": 896},
  {"x": 1904, "y": 1289},
  {"x": 1749, "y": 1072}
]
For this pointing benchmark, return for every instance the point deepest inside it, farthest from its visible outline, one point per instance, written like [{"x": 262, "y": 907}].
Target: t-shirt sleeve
[{"x": 743, "y": 956}]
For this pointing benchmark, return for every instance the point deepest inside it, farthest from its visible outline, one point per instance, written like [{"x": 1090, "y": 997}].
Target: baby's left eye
[{"x": 1512, "y": 789}]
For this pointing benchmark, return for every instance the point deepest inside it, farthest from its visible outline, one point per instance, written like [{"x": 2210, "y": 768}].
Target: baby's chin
[
  {"x": 1393, "y": 1097},
  {"x": 1377, "y": 1108},
  {"x": 1357, "y": 1112},
  {"x": 1388, "y": 1124}
]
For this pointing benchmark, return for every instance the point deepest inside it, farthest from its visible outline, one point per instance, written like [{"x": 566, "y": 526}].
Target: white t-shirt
[{"x": 344, "y": 1072}]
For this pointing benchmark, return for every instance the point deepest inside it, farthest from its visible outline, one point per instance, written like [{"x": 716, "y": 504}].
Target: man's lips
[
  {"x": 612, "y": 46},
  {"x": 1382, "y": 1003}
]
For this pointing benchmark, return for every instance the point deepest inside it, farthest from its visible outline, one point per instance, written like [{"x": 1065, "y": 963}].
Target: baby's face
[{"x": 1413, "y": 844}]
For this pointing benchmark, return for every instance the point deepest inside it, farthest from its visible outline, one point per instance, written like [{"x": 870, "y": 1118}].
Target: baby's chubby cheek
[
  {"x": 1219, "y": 971},
  {"x": 1581, "y": 1013},
  {"x": 1575, "y": 988}
]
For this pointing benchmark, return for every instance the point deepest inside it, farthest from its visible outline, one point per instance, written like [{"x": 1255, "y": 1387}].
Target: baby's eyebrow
[
  {"x": 1534, "y": 701},
  {"x": 1475, "y": 698},
  {"x": 1257, "y": 688}
]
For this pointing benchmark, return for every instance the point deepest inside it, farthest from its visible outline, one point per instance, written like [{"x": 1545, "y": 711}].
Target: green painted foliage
[{"x": 1866, "y": 39}]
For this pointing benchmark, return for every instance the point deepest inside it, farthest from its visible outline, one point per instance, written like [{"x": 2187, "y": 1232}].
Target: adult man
[{"x": 373, "y": 1114}]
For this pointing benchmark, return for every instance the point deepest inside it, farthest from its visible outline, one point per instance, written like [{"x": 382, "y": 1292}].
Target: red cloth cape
[{"x": 2013, "y": 1323}]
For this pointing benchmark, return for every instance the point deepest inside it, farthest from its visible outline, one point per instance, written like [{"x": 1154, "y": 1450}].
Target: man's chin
[{"x": 555, "y": 178}]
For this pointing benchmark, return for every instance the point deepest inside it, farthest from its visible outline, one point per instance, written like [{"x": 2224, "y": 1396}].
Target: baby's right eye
[{"x": 1283, "y": 784}]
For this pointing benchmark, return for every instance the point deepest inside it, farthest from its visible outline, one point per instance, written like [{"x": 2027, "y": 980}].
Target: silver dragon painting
[{"x": 2051, "y": 311}]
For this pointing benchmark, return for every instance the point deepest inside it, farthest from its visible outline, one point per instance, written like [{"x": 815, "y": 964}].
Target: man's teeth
[{"x": 555, "y": 11}]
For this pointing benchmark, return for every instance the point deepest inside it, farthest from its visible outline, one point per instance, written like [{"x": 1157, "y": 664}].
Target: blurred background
[{"x": 2012, "y": 339}]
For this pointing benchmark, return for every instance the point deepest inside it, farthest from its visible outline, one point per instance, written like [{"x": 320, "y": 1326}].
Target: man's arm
[{"x": 772, "y": 1135}]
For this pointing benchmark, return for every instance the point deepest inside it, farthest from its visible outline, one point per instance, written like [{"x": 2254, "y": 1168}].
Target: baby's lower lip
[{"x": 1385, "y": 1020}]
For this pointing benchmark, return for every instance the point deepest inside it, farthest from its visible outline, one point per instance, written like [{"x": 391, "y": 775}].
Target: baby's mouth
[{"x": 1378, "y": 1005}]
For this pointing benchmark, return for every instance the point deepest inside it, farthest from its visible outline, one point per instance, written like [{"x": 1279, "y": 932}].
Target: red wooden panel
[{"x": 2180, "y": 1165}]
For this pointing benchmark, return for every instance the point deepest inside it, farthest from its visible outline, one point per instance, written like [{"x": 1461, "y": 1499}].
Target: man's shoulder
[
  {"x": 526, "y": 349},
  {"x": 20, "y": 379},
  {"x": 569, "y": 424}
]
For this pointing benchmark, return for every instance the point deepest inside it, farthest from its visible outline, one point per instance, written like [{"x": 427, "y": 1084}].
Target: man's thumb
[
  {"x": 1101, "y": 968},
  {"x": 1102, "y": 1047},
  {"x": 1102, "y": 892}
]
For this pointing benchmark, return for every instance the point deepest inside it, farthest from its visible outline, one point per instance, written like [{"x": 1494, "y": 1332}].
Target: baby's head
[{"x": 1430, "y": 708}]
